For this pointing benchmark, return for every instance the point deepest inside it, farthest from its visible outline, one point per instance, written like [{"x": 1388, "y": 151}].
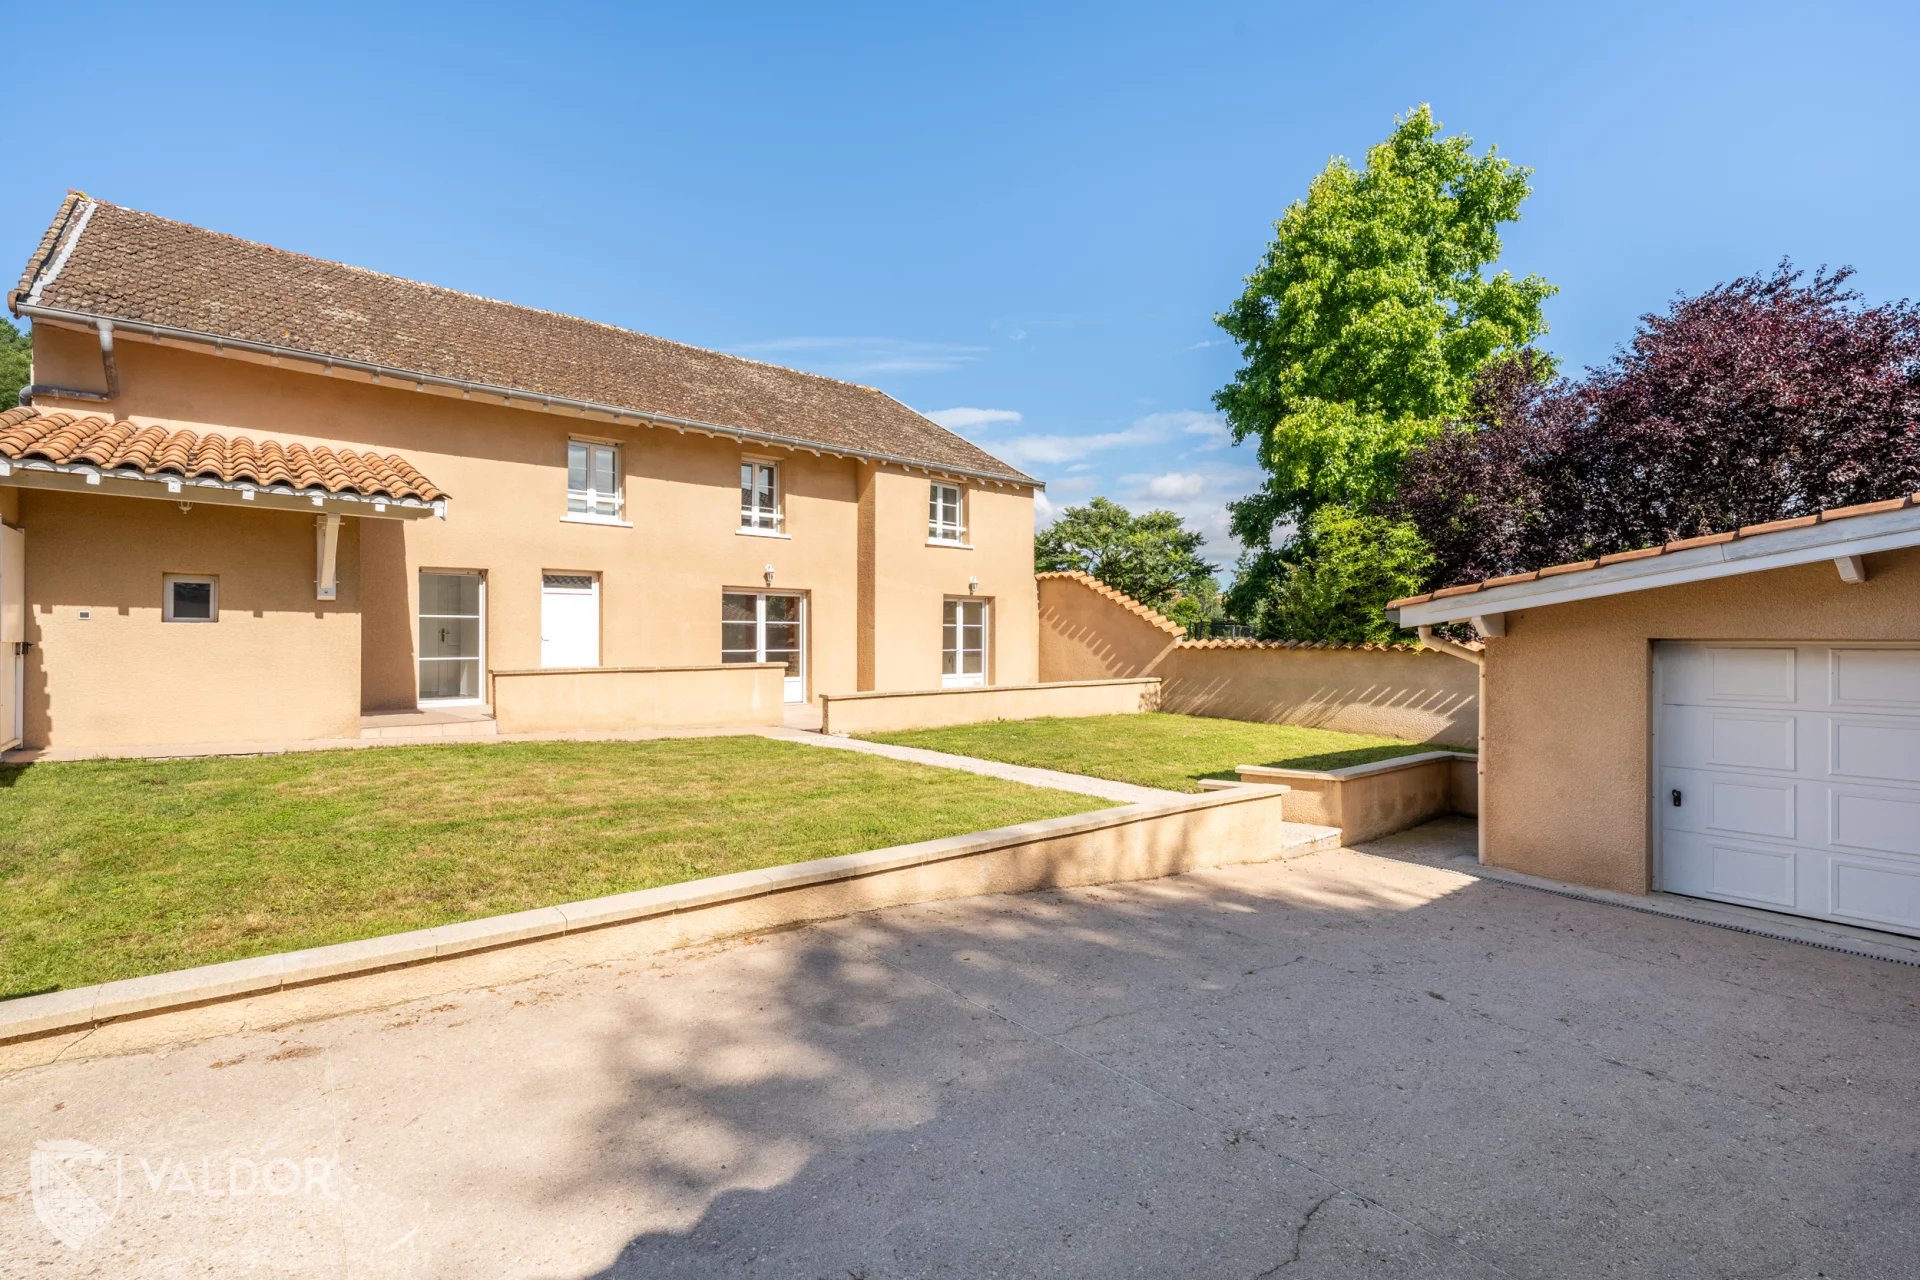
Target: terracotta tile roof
[
  {"x": 1382, "y": 646},
  {"x": 1119, "y": 597},
  {"x": 1644, "y": 553},
  {"x": 28, "y": 433},
  {"x": 104, "y": 261}
]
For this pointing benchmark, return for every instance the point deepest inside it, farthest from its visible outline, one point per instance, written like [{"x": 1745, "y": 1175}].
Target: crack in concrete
[
  {"x": 1337, "y": 1188},
  {"x": 1300, "y": 1230}
]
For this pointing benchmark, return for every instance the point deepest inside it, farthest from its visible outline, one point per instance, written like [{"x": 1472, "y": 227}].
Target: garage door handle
[{"x": 1676, "y": 797}]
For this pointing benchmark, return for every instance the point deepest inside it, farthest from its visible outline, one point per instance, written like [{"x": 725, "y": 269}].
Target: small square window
[
  {"x": 190, "y": 599},
  {"x": 945, "y": 513}
]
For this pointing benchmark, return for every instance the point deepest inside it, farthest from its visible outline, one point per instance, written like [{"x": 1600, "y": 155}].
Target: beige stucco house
[
  {"x": 1734, "y": 717},
  {"x": 252, "y": 495}
]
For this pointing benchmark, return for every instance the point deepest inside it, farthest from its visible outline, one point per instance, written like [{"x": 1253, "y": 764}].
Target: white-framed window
[
  {"x": 189, "y": 598},
  {"x": 946, "y": 513},
  {"x": 760, "y": 495},
  {"x": 593, "y": 481},
  {"x": 963, "y": 644}
]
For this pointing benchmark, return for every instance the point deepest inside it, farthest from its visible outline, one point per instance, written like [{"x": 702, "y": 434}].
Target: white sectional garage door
[{"x": 1788, "y": 777}]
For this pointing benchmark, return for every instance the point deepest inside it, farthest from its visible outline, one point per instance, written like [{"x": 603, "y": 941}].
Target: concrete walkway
[
  {"x": 1124, "y": 792},
  {"x": 1341, "y": 1066}
]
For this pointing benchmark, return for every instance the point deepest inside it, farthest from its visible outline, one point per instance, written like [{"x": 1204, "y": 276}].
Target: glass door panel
[
  {"x": 452, "y": 636},
  {"x": 764, "y": 627}
]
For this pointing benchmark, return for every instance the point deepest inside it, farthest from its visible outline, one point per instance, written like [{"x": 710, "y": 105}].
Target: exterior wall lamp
[
  {"x": 973, "y": 585},
  {"x": 769, "y": 575}
]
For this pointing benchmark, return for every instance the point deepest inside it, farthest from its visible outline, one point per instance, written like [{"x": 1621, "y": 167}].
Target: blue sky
[{"x": 1017, "y": 218}]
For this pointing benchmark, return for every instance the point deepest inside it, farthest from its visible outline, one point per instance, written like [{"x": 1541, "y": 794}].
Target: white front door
[
  {"x": 453, "y": 636},
  {"x": 1788, "y": 777},
  {"x": 13, "y": 632},
  {"x": 767, "y": 626},
  {"x": 569, "y": 620},
  {"x": 963, "y": 644}
]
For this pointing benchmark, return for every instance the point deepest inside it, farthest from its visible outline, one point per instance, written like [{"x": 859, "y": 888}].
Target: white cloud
[
  {"x": 964, "y": 419},
  {"x": 1055, "y": 450},
  {"x": 1175, "y": 485},
  {"x": 1075, "y": 484},
  {"x": 1199, "y": 497},
  {"x": 863, "y": 357},
  {"x": 1212, "y": 431}
]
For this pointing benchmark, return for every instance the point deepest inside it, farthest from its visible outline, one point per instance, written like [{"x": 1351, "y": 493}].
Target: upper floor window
[
  {"x": 760, "y": 496},
  {"x": 946, "y": 513},
  {"x": 593, "y": 480}
]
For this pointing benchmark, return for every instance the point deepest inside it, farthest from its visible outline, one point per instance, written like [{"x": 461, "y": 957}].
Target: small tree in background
[
  {"x": 1360, "y": 562},
  {"x": 1765, "y": 398},
  {"x": 16, "y": 364},
  {"x": 1152, "y": 557},
  {"x": 1362, "y": 330}
]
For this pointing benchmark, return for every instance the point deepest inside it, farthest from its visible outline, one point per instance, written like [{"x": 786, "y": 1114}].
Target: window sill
[
  {"x": 574, "y": 517},
  {"x": 763, "y": 533},
  {"x": 950, "y": 542}
]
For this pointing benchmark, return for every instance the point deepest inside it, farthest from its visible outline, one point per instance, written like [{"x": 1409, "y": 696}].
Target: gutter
[
  {"x": 1478, "y": 657},
  {"x": 507, "y": 395}
]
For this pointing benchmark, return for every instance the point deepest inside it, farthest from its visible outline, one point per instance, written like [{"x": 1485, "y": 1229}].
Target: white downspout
[{"x": 1478, "y": 658}]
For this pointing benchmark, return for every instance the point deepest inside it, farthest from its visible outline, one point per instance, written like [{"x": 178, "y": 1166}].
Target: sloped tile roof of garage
[
  {"x": 27, "y": 434},
  {"x": 103, "y": 261},
  {"x": 1892, "y": 523}
]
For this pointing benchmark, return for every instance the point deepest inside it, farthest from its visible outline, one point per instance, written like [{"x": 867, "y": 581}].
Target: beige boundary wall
[
  {"x": 934, "y": 708},
  {"x": 1367, "y": 801},
  {"x": 1089, "y": 632},
  {"x": 1131, "y": 842},
  {"x": 613, "y": 699}
]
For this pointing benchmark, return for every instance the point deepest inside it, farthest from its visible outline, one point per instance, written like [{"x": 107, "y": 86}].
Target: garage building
[{"x": 1733, "y": 717}]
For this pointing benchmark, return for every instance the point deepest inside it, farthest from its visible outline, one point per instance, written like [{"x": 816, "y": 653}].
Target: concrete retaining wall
[
  {"x": 1132, "y": 842},
  {"x": 612, "y": 699},
  {"x": 1088, "y": 632},
  {"x": 1367, "y": 801},
  {"x": 933, "y": 708}
]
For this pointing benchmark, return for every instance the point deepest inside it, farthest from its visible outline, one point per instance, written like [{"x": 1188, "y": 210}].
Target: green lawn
[
  {"x": 115, "y": 869},
  {"x": 1155, "y": 750}
]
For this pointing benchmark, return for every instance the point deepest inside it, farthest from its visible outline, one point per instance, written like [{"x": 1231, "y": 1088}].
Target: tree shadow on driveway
[{"x": 1337, "y": 1066}]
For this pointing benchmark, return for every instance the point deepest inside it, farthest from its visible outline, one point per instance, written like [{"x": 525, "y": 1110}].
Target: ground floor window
[
  {"x": 191, "y": 599},
  {"x": 963, "y": 644},
  {"x": 765, "y": 626},
  {"x": 452, "y": 635}
]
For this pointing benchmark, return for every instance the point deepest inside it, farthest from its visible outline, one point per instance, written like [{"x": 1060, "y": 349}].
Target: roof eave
[
  {"x": 130, "y": 482},
  {"x": 1825, "y": 540},
  {"x": 539, "y": 399}
]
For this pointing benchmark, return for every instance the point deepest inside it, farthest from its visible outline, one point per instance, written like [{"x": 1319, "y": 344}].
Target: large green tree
[
  {"x": 1361, "y": 332},
  {"x": 16, "y": 364},
  {"x": 1152, "y": 557}
]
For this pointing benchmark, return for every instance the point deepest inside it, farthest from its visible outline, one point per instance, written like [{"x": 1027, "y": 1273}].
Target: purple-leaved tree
[{"x": 1769, "y": 397}]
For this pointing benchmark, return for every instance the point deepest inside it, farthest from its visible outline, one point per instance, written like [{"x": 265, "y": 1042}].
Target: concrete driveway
[{"x": 1339, "y": 1066}]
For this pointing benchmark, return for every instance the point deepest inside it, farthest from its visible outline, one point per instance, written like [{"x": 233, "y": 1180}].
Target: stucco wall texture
[
  {"x": 1420, "y": 696},
  {"x": 104, "y": 670},
  {"x": 873, "y": 601},
  {"x": 1569, "y": 703}
]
